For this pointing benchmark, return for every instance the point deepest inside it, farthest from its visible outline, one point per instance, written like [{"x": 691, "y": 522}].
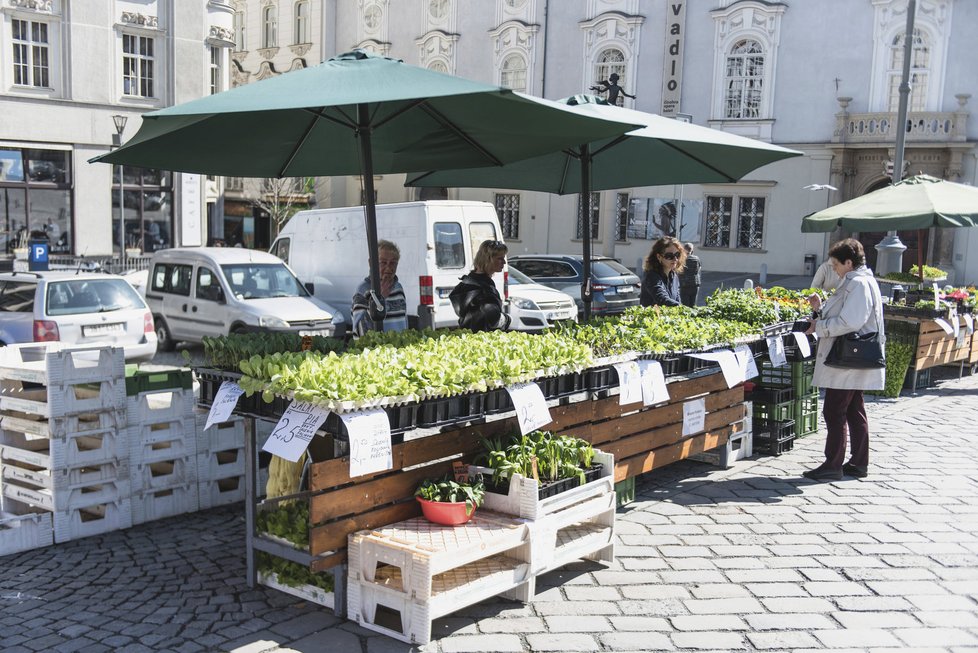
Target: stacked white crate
[
  {"x": 63, "y": 449},
  {"x": 220, "y": 461},
  {"x": 162, "y": 453}
]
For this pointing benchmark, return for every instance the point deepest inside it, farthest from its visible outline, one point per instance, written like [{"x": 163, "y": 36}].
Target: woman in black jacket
[
  {"x": 475, "y": 299},
  {"x": 662, "y": 266}
]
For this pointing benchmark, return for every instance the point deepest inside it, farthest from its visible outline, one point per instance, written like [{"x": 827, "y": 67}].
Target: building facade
[{"x": 75, "y": 76}]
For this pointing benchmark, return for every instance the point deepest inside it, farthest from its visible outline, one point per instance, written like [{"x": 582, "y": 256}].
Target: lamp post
[{"x": 120, "y": 126}]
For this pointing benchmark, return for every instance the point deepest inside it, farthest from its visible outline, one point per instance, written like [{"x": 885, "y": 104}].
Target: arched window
[
  {"x": 611, "y": 60},
  {"x": 269, "y": 27},
  {"x": 919, "y": 71},
  {"x": 301, "y": 22},
  {"x": 513, "y": 73},
  {"x": 744, "y": 80},
  {"x": 438, "y": 66}
]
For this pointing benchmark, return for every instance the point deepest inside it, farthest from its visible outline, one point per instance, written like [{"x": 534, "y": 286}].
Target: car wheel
[{"x": 164, "y": 340}]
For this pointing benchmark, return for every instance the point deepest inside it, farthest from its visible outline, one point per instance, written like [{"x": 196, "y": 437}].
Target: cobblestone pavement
[{"x": 754, "y": 558}]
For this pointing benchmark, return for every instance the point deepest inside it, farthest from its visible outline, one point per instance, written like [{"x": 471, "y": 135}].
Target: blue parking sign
[{"x": 37, "y": 256}]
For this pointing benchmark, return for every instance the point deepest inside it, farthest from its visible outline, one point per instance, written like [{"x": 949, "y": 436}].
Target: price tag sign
[
  {"x": 961, "y": 340},
  {"x": 694, "y": 416},
  {"x": 746, "y": 359},
  {"x": 937, "y": 295},
  {"x": 629, "y": 382},
  {"x": 224, "y": 402},
  {"x": 941, "y": 322},
  {"x": 370, "y": 441},
  {"x": 733, "y": 373},
  {"x": 802, "y": 340},
  {"x": 775, "y": 351},
  {"x": 531, "y": 406},
  {"x": 969, "y": 322},
  {"x": 294, "y": 431},
  {"x": 955, "y": 322},
  {"x": 654, "y": 389}
]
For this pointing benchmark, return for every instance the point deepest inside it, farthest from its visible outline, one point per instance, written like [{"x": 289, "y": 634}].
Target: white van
[
  {"x": 327, "y": 249},
  {"x": 213, "y": 291}
]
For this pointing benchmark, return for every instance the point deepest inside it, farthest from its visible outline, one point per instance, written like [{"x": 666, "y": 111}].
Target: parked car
[
  {"x": 534, "y": 307},
  {"x": 614, "y": 286},
  {"x": 213, "y": 291},
  {"x": 75, "y": 308}
]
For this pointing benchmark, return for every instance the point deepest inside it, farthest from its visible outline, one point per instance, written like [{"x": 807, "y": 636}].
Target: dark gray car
[{"x": 615, "y": 287}]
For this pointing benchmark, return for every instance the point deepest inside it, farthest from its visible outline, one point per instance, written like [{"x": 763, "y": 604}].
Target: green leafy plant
[
  {"x": 287, "y": 520},
  {"x": 448, "y": 490},
  {"x": 538, "y": 454},
  {"x": 292, "y": 573}
]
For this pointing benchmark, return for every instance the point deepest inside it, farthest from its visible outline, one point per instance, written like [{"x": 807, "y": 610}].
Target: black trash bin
[{"x": 810, "y": 264}]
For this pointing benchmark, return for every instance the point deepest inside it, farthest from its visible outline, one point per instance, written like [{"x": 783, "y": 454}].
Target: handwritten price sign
[
  {"x": 224, "y": 402},
  {"x": 294, "y": 431},
  {"x": 531, "y": 406},
  {"x": 370, "y": 441}
]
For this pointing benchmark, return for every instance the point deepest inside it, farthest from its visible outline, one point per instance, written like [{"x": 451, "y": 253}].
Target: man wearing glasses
[{"x": 662, "y": 266}]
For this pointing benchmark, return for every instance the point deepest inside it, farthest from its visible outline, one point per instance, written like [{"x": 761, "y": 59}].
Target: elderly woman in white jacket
[{"x": 856, "y": 307}]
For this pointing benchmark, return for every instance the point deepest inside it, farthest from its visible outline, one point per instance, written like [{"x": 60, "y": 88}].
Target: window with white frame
[
  {"x": 508, "y": 210},
  {"x": 239, "y": 31},
  {"x": 595, "y": 216},
  {"x": 31, "y": 55},
  {"x": 269, "y": 27},
  {"x": 137, "y": 65},
  {"x": 749, "y": 231},
  {"x": 301, "y": 22},
  {"x": 744, "y": 82},
  {"x": 919, "y": 71},
  {"x": 621, "y": 216},
  {"x": 216, "y": 70},
  {"x": 610, "y": 62},
  {"x": 438, "y": 66},
  {"x": 513, "y": 72}
]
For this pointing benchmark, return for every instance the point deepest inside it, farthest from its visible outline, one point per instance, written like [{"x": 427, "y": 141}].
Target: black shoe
[
  {"x": 855, "y": 471},
  {"x": 823, "y": 474}
]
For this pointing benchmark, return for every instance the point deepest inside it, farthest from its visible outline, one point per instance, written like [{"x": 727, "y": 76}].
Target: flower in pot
[{"x": 449, "y": 502}]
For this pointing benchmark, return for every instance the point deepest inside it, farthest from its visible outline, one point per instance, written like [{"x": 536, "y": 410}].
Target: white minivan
[
  {"x": 327, "y": 249},
  {"x": 213, "y": 291}
]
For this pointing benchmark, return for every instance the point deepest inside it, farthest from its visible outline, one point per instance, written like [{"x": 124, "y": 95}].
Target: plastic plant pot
[{"x": 444, "y": 513}]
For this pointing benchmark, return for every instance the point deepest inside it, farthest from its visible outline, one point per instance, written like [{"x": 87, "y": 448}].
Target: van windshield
[{"x": 262, "y": 280}]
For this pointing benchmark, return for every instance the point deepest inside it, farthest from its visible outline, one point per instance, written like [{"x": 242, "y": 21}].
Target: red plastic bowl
[{"x": 446, "y": 514}]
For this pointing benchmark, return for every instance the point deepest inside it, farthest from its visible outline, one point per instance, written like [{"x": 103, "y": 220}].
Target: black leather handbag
[{"x": 857, "y": 352}]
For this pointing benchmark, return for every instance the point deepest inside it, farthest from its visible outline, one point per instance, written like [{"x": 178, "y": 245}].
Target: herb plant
[{"x": 448, "y": 490}]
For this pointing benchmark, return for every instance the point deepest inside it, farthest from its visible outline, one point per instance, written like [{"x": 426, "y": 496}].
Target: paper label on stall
[
  {"x": 961, "y": 340},
  {"x": 969, "y": 322},
  {"x": 531, "y": 406},
  {"x": 629, "y": 383},
  {"x": 746, "y": 359},
  {"x": 694, "y": 416},
  {"x": 654, "y": 389},
  {"x": 294, "y": 431},
  {"x": 802, "y": 341},
  {"x": 370, "y": 441},
  {"x": 775, "y": 351},
  {"x": 224, "y": 402},
  {"x": 733, "y": 373},
  {"x": 941, "y": 322},
  {"x": 955, "y": 322},
  {"x": 937, "y": 295}
]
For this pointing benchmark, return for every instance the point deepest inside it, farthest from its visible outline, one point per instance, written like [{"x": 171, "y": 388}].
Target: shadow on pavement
[{"x": 749, "y": 489}]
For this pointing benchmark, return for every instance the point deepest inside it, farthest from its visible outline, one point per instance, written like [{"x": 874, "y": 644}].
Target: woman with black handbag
[{"x": 854, "y": 308}]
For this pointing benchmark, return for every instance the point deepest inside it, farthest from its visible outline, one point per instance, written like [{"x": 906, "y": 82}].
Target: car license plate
[
  {"x": 103, "y": 329},
  {"x": 625, "y": 289},
  {"x": 316, "y": 332}
]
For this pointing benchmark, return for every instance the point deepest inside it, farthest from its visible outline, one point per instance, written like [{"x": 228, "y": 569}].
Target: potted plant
[
  {"x": 558, "y": 463},
  {"x": 20, "y": 246},
  {"x": 449, "y": 502}
]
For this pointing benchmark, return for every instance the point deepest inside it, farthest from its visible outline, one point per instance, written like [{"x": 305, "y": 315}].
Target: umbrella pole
[
  {"x": 586, "y": 291},
  {"x": 920, "y": 257},
  {"x": 376, "y": 306}
]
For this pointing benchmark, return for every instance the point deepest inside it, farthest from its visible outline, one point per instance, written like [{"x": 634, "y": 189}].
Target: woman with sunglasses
[
  {"x": 475, "y": 299},
  {"x": 662, "y": 266}
]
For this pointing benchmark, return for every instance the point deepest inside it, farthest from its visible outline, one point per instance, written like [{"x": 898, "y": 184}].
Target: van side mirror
[{"x": 311, "y": 287}]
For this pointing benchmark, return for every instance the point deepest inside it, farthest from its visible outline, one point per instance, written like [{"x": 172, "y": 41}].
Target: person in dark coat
[
  {"x": 475, "y": 299},
  {"x": 660, "y": 286},
  {"x": 689, "y": 278}
]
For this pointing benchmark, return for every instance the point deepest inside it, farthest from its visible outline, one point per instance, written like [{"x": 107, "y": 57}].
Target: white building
[
  {"x": 820, "y": 76},
  {"x": 67, "y": 67}
]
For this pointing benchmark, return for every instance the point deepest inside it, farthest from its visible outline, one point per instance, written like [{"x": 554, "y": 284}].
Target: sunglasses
[
  {"x": 496, "y": 244},
  {"x": 672, "y": 256}
]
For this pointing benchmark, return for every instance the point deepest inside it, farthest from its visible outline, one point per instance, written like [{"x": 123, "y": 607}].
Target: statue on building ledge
[{"x": 611, "y": 87}]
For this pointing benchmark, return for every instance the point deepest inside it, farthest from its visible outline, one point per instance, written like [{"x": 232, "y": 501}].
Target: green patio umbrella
[
  {"x": 356, "y": 114},
  {"x": 662, "y": 151}
]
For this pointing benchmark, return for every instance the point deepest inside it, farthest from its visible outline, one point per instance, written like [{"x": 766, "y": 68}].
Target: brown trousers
[{"x": 844, "y": 414}]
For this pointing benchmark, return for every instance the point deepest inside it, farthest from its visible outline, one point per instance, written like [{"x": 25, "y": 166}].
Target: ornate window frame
[
  {"x": 436, "y": 50},
  {"x": 612, "y": 29},
  {"x": 49, "y": 12},
  {"x": 373, "y": 38},
  {"x": 746, "y": 20},
  {"x": 143, "y": 26},
  {"x": 514, "y": 37}
]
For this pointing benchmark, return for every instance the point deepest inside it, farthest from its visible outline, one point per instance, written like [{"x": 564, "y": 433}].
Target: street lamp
[{"x": 120, "y": 126}]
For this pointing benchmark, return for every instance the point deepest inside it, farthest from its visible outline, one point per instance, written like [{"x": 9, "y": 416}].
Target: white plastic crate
[
  {"x": 156, "y": 441},
  {"x": 585, "y": 530},
  {"x": 65, "y": 499},
  {"x": 161, "y": 406},
  {"x": 91, "y": 520},
  {"x": 221, "y": 464},
  {"x": 89, "y": 448},
  {"x": 221, "y": 492},
  {"x": 164, "y": 474},
  {"x": 739, "y": 446},
  {"x": 309, "y": 593},
  {"x": 159, "y": 504},
  {"x": 523, "y": 498},
  {"x": 59, "y": 401},
  {"x": 24, "y": 473},
  {"x": 34, "y": 427},
  {"x": 25, "y": 532},
  {"x": 58, "y": 364},
  {"x": 221, "y": 436}
]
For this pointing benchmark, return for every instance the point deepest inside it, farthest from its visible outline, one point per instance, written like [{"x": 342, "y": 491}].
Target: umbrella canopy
[
  {"x": 355, "y": 114},
  {"x": 919, "y": 202},
  {"x": 662, "y": 151}
]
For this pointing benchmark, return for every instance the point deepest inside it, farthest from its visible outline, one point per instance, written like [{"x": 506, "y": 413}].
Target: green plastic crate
[
  {"x": 797, "y": 376},
  {"x": 773, "y": 412},
  {"x": 806, "y": 424},
  {"x": 807, "y": 405},
  {"x": 625, "y": 491},
  {"x": 156, "y": 379}
]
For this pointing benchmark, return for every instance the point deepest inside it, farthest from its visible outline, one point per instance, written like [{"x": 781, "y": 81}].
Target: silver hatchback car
[{"x": 75, "y": 308}]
